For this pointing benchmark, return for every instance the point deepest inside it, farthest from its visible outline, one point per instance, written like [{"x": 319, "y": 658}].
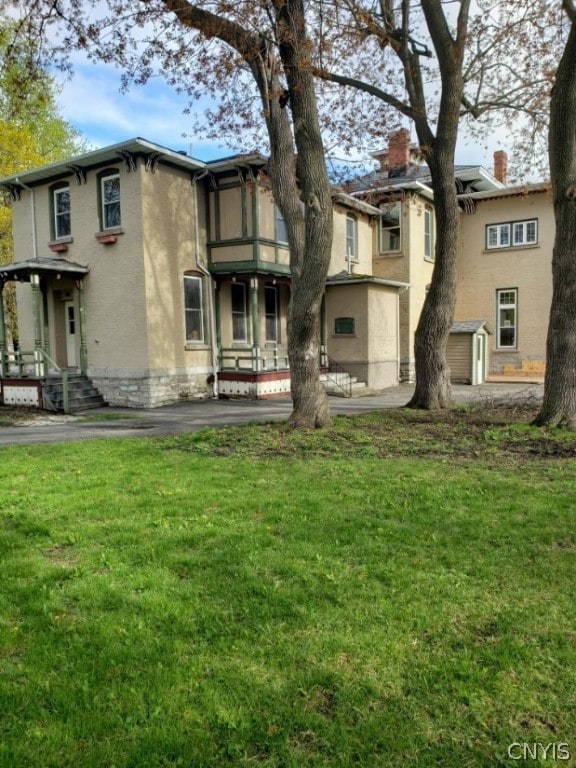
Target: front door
[{"x": 70, "y": 321}]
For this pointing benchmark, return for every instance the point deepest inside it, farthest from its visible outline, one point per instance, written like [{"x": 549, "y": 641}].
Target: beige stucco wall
[
  {"x": 370, "y": 353},
  {"x": 482, "y": 272},
  {"x": 338, "y": 260},
  {"x": 410, "y": 266}
]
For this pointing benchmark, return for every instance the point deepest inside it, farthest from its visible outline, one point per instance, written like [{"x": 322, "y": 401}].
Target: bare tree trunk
[
  {"x": 309, "y": 266},
  {"x": 559, "y": 404},
  {"x": 433, "y": 388}
]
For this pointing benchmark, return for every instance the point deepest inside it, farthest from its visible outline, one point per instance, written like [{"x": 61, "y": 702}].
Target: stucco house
[
  {"x": 145, "y": 277},
  {"x": 504, "y": 286},
  {"x": 158, "y": 278}
]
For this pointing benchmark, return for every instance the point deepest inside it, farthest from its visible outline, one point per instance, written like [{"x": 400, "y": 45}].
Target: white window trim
[
  {"x": 429, "y": 235},
  {"x": 382, "y": 229},
  {"x": 508, "y": 305},
  {"x": 351, "y": 237},
  {"x": 509, "y": 227},
  {"x": 199, "y": 310},
  {"x": 55, "y": 194}
]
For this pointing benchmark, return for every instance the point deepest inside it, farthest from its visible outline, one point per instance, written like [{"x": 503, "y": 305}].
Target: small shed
[{"x": 467, "y": 351}]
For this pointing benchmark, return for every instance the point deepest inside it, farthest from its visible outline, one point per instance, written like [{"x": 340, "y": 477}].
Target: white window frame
[
  {"x": 351, "y": 237},
  {"x": 239, "y": 288},
  {"x": 429, "y": 234},
  {"x": 107, "y": 204},
  {"x": 60, "y": 215},
  {"x": 512, "y": 234},
  {"x": 196, "y": 311},
  {"x": 505, "y": 304},
  {"x": 390, "y": 230}
]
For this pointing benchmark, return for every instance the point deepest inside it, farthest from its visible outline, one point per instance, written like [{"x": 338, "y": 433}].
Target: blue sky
[{"x": 92, "y": 102}]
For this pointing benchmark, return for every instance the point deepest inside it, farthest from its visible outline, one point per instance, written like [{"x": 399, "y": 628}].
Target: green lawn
[{"x": 250, "y": 597}]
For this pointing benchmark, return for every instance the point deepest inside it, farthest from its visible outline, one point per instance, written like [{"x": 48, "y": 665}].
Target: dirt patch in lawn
[{"x": 499, "y": 430}]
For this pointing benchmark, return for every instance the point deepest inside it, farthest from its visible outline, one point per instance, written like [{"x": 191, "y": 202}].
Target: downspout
[{"x": 204, "y": 270}]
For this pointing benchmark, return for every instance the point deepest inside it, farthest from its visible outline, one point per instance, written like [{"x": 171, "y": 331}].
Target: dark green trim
[{"x": 250, "y": 267}]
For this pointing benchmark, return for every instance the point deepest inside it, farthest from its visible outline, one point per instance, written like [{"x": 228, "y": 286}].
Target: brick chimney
[
  {"x": 501, "y": 166},
  {"x": 398, "y": 152}
]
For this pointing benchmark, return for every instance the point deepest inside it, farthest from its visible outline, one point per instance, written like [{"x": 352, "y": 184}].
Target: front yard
[{"x": 397, "y": 591}]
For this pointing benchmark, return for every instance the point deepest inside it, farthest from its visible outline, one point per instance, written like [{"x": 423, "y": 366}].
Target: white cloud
[{"x": 92, "y": 101}]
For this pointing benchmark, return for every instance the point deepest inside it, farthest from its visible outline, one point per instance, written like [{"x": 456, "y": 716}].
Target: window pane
[
  {"x": 530, "y": 231},
  {"x": 507, "y": 318},
  {"x": 62, "y": 213},
  {"x": 351, "y": 237},
  {"x": 271, "y": 312},
  {"x": 505, "y": 234},
  {"x": 239, "y": 312},
  {"x": 281, "y": 232},
  {"x": 111, "y": 202},
  {"x": 193, "y": 309},
  {"x": 389, "y": 234}
]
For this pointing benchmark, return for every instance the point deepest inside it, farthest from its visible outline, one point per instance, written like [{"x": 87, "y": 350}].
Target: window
[
  {"x": 239, "y": 312},
  {"x": 351, "y": 238},
  {"x": 512, "y": 233},
  {"x": 271, "y": 311},
  {"x": 428, "y": 234},
  {"x": 389, "y": 234},
  {"x": 61, "y": 211},
  {"x": 193, "y": 308},
  {"x": 110, "y": 196},
  {"x": 281, "y": 232},
  {"x": 507, "y": 311},
  {"x": 344, "y": 325}
]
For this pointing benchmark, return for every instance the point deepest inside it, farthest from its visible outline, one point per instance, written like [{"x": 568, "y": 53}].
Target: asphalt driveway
[{"x": 192, "y": 416}]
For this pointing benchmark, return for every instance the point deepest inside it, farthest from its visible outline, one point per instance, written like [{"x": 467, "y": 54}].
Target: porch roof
[{"x": 42, "y": 265}]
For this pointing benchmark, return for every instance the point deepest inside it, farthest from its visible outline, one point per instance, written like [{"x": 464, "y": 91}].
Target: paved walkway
[{"x": 188, "y": 417}]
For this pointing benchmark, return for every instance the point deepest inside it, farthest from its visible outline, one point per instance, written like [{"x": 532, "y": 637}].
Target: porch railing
[
  {"x": 339, "y": 377},
  {"x": 263, "y": 360},
  {"x": 36, "y": 364}
]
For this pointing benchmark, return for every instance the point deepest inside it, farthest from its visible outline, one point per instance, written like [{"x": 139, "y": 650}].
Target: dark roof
[
  {"x": 470, "y": 326},
  {"x": 40, "y": 265}
]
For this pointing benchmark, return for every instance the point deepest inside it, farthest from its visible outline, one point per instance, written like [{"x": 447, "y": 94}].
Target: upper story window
[
  {"x": 61, "y": 223},
  {"x": 351, "y": 237},
  {"x": 428, "y": 234},
  {"x": 512, "y": 233},
  {"x": 281, "y": 231},
  {"x": 389, "y": 231},
  {"x": 110, "y": 200},
  {"x": 193, "y": 308}
]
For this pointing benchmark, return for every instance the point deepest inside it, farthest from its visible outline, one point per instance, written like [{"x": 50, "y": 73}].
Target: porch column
[
  {"x": 39, "y": 367},
  {"x": 256, "y": 362},
  {"x": 82, "y": 313},
  {"x": 3, "y": 360}
]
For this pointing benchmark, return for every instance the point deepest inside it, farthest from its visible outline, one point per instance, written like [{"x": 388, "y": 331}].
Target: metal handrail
[{"x": 339, "y": 374}]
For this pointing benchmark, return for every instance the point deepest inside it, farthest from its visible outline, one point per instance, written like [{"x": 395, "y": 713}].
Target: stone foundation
[{"x": 151, "y": 389}]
